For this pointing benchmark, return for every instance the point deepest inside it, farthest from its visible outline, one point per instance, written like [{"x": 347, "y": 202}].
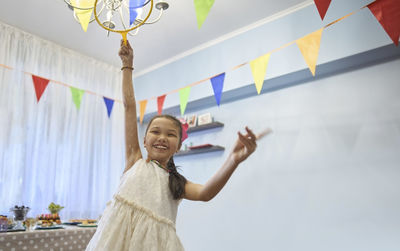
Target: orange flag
[
  {"x": 40, "y": 85},
  {"x": 142, "y": 105},
  {"x": 309, "y": 47},
  {"x": 387, "y": 12}
]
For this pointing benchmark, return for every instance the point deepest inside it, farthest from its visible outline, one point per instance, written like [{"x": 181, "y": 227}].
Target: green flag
[
  {"x": 183, "y": 97},
  {"x": 202, "y": 8},
  {"x": 77, "y": 96}
]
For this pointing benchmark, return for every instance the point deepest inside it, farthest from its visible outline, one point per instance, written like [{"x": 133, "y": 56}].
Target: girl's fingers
[
  {"x": 246, "y": 141},
  {"x": 251, "y": 134},
  {"x": 127, "y": 45}
]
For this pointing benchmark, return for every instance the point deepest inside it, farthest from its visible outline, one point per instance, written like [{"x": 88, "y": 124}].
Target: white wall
[{"x": 326, "y": 179}]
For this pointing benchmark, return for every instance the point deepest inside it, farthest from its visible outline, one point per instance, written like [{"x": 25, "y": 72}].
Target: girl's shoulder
[{"x": 135, "y": 166}]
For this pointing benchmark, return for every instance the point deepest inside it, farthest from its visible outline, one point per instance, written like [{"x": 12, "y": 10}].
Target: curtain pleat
[{"x": 51, "y": 151}]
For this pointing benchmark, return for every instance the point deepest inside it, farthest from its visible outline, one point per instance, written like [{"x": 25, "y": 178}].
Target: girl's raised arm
[{"x": 132, "y": 148}]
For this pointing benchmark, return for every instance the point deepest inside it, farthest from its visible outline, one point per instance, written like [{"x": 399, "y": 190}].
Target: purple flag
[
  {"x": 217, "y": 84},
  {"x": 109, "y": 104}
]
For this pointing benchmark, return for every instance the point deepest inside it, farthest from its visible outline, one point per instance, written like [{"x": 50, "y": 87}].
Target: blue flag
[
  {"x": 134, "y": 5},
  {"x": 109, "y": 104},
  {"x": 218, "y": 84}
]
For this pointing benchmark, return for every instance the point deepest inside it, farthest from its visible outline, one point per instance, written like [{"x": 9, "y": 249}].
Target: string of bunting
[
  {"x": 387, "y": 12},
  {"x": 40, "y": 84}
]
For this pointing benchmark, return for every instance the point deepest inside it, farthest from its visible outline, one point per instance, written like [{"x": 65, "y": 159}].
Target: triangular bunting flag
[
  {"x": 258, "y": 69},
  {"x": 83, "y": 15},
  {"x": 218, "y": 84},
  {"x": 160, "y": 103},
  {"x": 309, "y": 47},
  {"x": 40, "y": 85},
  {"x": 322, "y": 6},
  {"x": 202, "y": 8},
  {"x": 109, "y": 104},
  {"x": 142, "y": 107},
  {"x": 77, "y": 96},
  {"x": 134, "y": 9},
  {"x": 183, "y": 97},
  {"x": 387, "y": 12}
]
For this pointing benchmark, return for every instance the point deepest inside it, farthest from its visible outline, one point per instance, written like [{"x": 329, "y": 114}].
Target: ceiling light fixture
[{"x": 123, "y": 16}]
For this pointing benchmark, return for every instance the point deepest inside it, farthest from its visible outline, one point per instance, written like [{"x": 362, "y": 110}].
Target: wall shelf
[
  {"x": 205, "y": 127},
  {"x": 200, "y": 150}
]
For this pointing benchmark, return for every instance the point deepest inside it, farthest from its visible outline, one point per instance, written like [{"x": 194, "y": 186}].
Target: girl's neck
[{"x": 159, "y": 164}]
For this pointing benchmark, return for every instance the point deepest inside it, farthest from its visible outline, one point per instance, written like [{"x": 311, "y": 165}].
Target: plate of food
[
  {"x": 84, "y": 222},
  {"x": 10, "y": 229},
  {"x": 71, "y": 223},
  {"x": 39, "y": 227},
  {"x": 87, "y": 225}
]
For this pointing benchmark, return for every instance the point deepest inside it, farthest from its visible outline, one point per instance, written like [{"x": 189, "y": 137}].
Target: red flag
[
  {"x": 160, "y": 103},
  {"x": 387, "y": 12},
  {"x": 40, "y": 85},
  {"x": 322, "y": 6}
]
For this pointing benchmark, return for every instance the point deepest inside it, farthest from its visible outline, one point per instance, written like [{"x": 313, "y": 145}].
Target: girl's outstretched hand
[
  {"x": 244, "y": 146},
  {"x": 126, "y": 54}
]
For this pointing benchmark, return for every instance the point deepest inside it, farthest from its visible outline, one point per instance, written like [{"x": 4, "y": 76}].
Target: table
[{"x": 69, "y": 238}]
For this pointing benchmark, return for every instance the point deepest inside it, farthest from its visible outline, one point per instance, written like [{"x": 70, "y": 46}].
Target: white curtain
[{"x": 51, "y": 151}]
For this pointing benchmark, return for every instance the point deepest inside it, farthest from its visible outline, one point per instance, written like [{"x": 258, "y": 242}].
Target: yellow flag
[
  {"x": 142, "y": 105},
  {"x": 309, "y": 47},
  {"x": 83, "y": 15},
  {"x": 259, "y": 68}
]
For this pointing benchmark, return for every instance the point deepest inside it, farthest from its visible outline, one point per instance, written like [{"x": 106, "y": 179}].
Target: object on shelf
[
  {"x": 192, "y": 120},
  {"x": 204, "y": 119},
  {"x": 214, "y": 124},
  {"x": 200, "y": 146},
  {"x": 213, "y": 148}
]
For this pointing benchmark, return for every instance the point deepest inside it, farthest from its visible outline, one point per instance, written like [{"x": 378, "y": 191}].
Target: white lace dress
[{"x": 141, "y": 215}]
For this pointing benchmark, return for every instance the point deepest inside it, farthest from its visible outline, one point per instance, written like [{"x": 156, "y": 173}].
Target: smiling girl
[{"x": 142, "y": 214}]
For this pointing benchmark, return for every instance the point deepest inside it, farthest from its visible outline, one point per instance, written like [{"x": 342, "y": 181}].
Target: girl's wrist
[
  {"x": 233, "y": 161},
  {"x": 128, "y": 67}
]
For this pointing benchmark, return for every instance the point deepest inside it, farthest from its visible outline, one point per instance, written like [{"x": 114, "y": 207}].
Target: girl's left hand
[{"x": 244, "y": 146}]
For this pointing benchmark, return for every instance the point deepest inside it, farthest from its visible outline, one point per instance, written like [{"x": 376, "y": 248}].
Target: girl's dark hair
[{"x": 176, "y": 181}]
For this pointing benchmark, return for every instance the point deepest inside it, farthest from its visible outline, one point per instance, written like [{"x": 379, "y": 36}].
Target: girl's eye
[
  {"x": 155, "y": 132},
  {"x": 172, "y": 135}
]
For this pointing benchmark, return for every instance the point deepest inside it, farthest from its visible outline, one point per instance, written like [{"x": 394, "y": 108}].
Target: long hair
[{"x": 177, "y": 181}]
